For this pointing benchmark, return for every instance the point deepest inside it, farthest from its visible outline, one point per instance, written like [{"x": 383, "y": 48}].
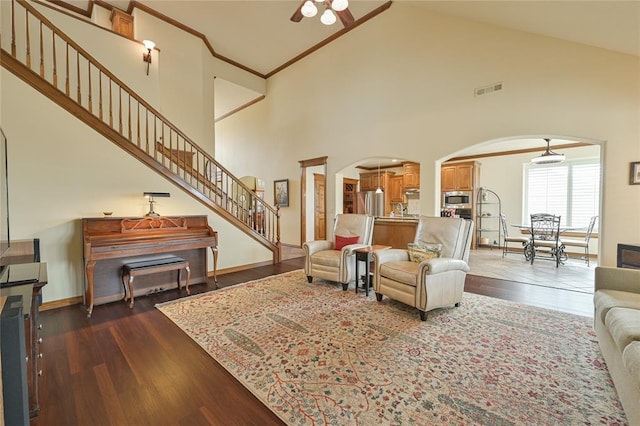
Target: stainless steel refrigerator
[{"x": 371, "y": 203}]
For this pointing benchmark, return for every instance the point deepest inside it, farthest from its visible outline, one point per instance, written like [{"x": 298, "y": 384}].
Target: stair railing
[{"x": 62, "y": 70}]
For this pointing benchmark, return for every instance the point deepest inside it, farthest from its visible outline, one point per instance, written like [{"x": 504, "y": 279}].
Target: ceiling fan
[{"x": 309, "y": 8}]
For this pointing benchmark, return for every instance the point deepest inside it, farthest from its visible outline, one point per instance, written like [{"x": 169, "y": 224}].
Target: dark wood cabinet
[{"x": 23, "y": 261}]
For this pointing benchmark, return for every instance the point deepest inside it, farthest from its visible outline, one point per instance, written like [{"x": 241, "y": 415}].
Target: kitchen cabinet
[
  {"x": 411, "y": 176},
  {"x": 396, "y": 193},
  {"x": 458, "y": 176},
  {"x": 394, "y": 232},
  {"x": 369, "y": 181},
  {"x": 349, "y": 195}
]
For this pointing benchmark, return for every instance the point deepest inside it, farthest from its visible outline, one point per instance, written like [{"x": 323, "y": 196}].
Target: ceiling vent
[{"x": 495, "y": 87}]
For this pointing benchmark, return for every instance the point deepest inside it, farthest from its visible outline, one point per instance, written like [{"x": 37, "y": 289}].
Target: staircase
[{"x": 44, "y": 57}]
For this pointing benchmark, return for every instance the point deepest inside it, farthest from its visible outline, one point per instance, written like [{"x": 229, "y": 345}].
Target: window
[{"x": 570, "y": 189}]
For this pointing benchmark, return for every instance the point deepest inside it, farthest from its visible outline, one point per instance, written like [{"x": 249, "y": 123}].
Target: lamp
[
  {"x": 146, "y": 56},
  {"x": 309, "y": 9},
  {"x": 328, "y": 17},
  {"x": 548, "y": 156},
  {"x": 379, "y": 190},
  {"x": 150, "y": 196}
]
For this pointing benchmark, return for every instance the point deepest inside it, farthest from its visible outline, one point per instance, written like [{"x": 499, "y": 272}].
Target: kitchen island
[{"x": 396, "y": 232}]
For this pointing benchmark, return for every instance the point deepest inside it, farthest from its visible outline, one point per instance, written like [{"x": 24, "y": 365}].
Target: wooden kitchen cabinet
[
  {"x": 396, "y": 193},
  {"x": 369, "y": 181},
  {"x": 411, "y": 175},
  {"x": 458, "y": 176},
  {"x": 349, "y": 195}
]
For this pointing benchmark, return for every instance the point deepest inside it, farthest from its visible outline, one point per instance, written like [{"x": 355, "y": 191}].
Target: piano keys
[{"x": 109, "y": 243}]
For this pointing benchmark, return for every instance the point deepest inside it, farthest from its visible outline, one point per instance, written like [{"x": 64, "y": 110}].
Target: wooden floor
[{"x": 134, "y": 367}]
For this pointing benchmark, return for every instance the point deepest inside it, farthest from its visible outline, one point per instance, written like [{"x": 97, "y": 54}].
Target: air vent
[{"x": 488, "y": 89}]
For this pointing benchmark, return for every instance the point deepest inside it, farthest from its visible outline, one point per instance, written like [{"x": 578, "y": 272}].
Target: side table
[{"x": 364, "y": 255}]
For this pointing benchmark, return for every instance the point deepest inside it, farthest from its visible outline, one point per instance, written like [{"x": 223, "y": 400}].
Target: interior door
[{"x": 319, "y": 224}]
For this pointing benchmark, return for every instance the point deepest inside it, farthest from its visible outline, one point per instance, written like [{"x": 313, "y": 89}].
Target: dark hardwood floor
[{"x": 134, "y": 367}]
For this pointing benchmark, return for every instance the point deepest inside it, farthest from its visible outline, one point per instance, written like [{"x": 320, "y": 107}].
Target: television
[{"x": 5, "y": 241}]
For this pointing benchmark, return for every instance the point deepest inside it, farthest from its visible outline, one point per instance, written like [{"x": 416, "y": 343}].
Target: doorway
[
  {"x": 319, "y": 221},
  {"x": 308, "y": 201}
]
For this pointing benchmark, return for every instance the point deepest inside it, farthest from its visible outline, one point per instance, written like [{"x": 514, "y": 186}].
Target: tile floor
[{"x": 574, "y": 275}]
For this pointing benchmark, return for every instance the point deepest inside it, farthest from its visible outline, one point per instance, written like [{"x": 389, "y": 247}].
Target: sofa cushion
[
  {"x": 606, "y": 299},
  {"x": 631, "y": 360},
  {"x": 327, "y": 258},
  {"x": 624, "y": 326},
  {"x": 403, "y": 271}
]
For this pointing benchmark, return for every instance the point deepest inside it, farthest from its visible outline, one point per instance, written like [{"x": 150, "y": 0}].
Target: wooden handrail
[{"x": 129, "y": 121}]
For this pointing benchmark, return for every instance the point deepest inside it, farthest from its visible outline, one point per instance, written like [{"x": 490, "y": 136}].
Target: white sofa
[{"x": 617, "y": 324}]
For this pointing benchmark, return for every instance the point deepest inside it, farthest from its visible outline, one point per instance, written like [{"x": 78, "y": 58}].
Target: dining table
[{"x": 528, "y": 249}]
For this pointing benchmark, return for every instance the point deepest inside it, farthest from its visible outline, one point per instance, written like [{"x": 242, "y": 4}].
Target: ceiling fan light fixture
[
  {"x": 328, "y": 17},
  {"x": 339, "y": 5},
  {"x": 309, "y": 9},
  {"x": 548, "y": 157}
]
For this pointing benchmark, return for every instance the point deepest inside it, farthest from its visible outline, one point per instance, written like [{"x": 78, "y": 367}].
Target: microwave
[{"x": 457, "y": 199}]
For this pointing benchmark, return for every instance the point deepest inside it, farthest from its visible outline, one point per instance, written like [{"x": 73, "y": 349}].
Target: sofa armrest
[
  {"x": 352, "y": 247},
  {"x": 311, "y": 247},
  {"x": 439, "y": 265},
  {"x": 621, "y": 279}
]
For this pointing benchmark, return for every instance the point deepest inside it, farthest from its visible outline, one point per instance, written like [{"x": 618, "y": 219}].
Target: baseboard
[
  {"x": 78, "y": 299},
  {"x": 240, "y": 268},
  {"x": 61, "y": 303}
]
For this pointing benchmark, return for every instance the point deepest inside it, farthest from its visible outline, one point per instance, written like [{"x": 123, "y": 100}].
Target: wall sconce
[
  {"x": 146, "y": 57},
  {"x": 150, "y": 196}
]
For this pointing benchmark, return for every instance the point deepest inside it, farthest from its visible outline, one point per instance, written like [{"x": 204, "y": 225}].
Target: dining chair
[
  {"x": 545, "y": 238},
  {"x": 507, "y": 239},
  {"x": 584, "y": 244}
]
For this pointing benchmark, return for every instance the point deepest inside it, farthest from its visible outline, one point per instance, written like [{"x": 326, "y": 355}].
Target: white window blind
[{"x": 570, "y": 189}]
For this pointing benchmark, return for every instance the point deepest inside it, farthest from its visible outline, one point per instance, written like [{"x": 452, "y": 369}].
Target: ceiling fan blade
[
  {"x": 346, "y": 17},
  {"x": 297, "y": 15}
]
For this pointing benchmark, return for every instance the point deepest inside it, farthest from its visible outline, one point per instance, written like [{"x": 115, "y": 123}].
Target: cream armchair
[
  {"x": 323, "y": 261},
  {"x": 432, "y": 283}
]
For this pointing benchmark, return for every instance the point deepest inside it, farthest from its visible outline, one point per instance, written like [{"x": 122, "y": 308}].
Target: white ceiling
[{"x": 259, "y": 34}]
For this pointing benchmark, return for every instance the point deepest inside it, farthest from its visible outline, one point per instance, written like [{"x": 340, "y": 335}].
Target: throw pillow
[
  {"x": 420, "y": 252},
  {"x": 342, "y": 241}
]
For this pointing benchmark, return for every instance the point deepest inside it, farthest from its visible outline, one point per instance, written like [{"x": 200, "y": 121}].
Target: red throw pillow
[{"x": 345, "y": 241}]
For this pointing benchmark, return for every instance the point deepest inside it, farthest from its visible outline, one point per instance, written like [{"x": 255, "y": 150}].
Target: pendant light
[
  {"x": 379, "y": 190},
  {"x": 548, "y": 156}
]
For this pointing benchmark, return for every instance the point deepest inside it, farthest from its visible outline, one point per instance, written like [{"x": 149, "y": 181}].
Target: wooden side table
[{"x": 364, "y": 255}]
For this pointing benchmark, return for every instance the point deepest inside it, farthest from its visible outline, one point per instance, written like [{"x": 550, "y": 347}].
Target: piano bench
[{"x": 130, "y": 270}]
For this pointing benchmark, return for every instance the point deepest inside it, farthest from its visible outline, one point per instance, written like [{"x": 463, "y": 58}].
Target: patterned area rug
[{"x": 316, "y": 355}]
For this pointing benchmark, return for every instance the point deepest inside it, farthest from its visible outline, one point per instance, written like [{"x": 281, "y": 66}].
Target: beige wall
[{"x": 402, "y": 85}]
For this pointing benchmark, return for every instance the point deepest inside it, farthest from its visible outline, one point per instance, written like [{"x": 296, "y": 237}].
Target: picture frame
[
  {"x": 634, "y": 173},
  {"x": 281, "y": 193}
]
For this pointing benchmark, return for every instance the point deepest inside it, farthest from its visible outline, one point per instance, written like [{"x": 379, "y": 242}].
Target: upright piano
[{"x": 109, "y": 243}]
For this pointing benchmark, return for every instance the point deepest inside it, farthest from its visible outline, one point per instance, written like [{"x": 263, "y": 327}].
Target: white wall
[
  {"x": 61, "y": 170},
  {"x": 406, "y": 89}
]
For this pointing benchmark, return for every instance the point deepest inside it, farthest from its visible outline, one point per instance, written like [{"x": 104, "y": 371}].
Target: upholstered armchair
[
  {"x": 434, "y": 282},
  {"x": 335, "y": 260}
]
